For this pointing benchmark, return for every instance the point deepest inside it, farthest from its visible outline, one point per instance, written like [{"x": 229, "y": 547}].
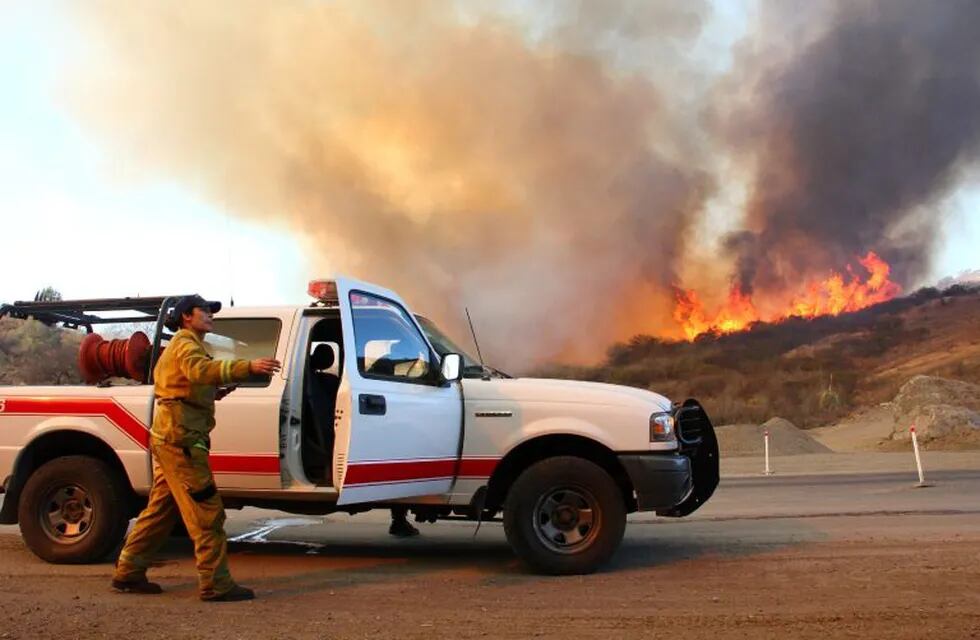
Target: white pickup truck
[{"x": 374, "y": 407}]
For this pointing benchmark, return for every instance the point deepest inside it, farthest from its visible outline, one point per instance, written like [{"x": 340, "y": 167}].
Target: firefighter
[
  {"x": 187, "y": 382},
  {"x": 400, "y": 526}
]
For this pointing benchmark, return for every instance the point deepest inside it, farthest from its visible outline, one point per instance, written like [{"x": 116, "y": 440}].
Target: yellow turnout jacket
[{"x": 185, "y": 380}]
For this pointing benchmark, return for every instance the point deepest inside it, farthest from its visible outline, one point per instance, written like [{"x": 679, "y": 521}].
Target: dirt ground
[
  {"x": 878, "y": 559},
  {"x": 869, "y": 589},
  {"x": 865, "y": 430}
]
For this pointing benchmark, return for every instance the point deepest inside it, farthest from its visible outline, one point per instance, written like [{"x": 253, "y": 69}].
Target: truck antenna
[
  {"x": 475, "y": 341},
  {"x": 231, "y": 271}
]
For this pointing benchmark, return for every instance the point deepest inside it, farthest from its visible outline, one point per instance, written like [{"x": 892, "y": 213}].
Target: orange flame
[{"x": 828, "y": 297}]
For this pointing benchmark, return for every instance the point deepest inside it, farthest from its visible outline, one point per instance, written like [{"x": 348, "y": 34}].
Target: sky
[{"x": 75, "y": 218}]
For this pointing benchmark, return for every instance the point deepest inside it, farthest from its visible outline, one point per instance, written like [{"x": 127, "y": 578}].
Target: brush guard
[{"x": 698, "y": 442}]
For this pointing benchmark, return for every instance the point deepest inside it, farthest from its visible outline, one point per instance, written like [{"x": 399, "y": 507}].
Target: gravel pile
[{"x": 785, "y": 439}]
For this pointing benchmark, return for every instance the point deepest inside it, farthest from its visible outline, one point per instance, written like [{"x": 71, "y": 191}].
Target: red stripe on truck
[
  {"x": 398, "y": 471},
  {"x": 417, "y": 470},
  {"x": 134, "y": 428},
  {"x": 248, "y": 464},
  {"x": 89, "y": 407},
  {"x": 245, "y": 464},
  {"x": 477, "y": 467}
]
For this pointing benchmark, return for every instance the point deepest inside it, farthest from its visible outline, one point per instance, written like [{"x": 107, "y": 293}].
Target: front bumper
[
  {"x": 660, "y": 481},
  {"x": 677, "y": 485}
]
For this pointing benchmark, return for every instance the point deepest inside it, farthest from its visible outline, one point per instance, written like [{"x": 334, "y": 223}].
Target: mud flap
[
  {"x": 698, "y": 441},
  {"x": 9, "y": 499}
]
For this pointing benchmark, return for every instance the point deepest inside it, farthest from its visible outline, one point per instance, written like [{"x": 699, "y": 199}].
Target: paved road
[
  {"x": 847, "y": 506},
  {"x": 774, "y": 497},
  {"x": 851, "y": 504},
  {"x": 860, "y": 555}
]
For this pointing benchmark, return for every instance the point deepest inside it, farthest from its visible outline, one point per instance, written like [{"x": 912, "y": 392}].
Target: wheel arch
[
  {"x": 547, "y": 446},
  {"x": 55, "y": 444}
]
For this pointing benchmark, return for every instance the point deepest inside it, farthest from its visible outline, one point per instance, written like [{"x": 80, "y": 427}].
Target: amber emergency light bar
[{"x": 323, "y": 290}]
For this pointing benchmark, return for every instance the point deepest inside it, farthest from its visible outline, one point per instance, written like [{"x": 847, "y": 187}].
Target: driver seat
[{"x": 321, "y": 397}]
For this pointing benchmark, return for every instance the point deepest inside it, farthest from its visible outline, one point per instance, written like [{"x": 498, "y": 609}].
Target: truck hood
[{"x": 563, "y": 391}]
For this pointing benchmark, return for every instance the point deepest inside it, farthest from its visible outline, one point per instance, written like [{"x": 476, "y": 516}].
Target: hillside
[
  {"x": 33, "y": 353},
  {"x": 811, "y": 372}
]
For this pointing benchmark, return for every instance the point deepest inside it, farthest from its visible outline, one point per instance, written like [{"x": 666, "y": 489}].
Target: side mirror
[{"x": 452, "y": 367}]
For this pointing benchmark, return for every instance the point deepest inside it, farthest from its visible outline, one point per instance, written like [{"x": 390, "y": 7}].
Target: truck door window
[
  {"x": 388, "y": 343},
  {"x": 245, "y": 339}
]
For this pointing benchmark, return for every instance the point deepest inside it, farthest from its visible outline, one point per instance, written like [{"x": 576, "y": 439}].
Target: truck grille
[{"x": 690, "y": 422}]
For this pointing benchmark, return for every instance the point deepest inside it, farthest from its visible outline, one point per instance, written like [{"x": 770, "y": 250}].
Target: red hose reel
[{"x": 99, "y": 359}]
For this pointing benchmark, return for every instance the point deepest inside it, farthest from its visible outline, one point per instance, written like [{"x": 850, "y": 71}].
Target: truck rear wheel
[
  {"x": 564, "y": 515},
  {"x": 72, "y": 510}
]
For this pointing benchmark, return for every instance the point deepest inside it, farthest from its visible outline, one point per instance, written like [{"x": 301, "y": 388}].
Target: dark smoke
[{"x": 856, "y": 136}]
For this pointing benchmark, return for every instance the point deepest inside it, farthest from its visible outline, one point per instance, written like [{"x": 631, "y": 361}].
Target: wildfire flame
[{"x": 831, "y": 296}]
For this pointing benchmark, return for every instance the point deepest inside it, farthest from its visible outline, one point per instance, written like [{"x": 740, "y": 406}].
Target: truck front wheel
[
  {"x": 72, "y": 510},
  {"x": 564, "y": 515}
]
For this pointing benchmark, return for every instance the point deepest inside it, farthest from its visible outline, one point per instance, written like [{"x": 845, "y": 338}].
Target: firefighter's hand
[
  {"x": 221, "y": 392},
  {"x": 264, "y": 366}
]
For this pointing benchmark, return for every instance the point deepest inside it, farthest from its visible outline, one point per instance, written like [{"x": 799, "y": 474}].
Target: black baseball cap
[{"x": 186, "y": 304}]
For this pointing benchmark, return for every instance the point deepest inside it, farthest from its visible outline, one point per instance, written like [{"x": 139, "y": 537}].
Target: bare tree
[{"x": 48, "y": 294}]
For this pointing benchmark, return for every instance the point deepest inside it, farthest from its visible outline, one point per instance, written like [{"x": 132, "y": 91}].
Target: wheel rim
[
  {"x": 566, "y": 519},
  {"x": 66, "y": 514}
]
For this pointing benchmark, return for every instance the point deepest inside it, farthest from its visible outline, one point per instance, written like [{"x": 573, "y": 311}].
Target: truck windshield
[{"x": 443, "y": 344}]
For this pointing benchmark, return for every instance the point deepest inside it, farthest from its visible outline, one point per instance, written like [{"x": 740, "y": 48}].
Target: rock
[
  {"x": 938, "y": 407},
  {"x": 925, "y": 390},
  {"x": 937, "y": 421}
]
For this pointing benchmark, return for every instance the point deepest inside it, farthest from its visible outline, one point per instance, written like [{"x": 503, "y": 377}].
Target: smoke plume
[
  {"x": 546, "y": 167},
  {"x": 442, "y": 154},
  {"x": 856, "y": 133}
]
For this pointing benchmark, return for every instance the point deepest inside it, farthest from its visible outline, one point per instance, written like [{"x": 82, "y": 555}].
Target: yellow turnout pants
[{"x": 182, "y": 483}]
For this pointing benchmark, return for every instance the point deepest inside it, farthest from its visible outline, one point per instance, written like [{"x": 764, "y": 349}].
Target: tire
[
  {"x": 545, "y": 516},
  {"x": 73, "y": 510}
]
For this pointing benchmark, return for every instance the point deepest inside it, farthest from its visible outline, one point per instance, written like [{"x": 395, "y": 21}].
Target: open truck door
[{"x": 398, "y": 423}]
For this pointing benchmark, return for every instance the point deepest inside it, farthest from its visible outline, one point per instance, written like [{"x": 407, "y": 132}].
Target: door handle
[{"x": 372, "y": 405}]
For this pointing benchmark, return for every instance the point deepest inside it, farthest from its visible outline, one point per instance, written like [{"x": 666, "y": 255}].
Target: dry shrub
[
  {"x": 811, "y": 372},
  {"x": 32, "y": 353}
]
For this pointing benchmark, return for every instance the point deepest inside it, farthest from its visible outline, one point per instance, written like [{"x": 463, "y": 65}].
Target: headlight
[{"x": 661, "y": 427}]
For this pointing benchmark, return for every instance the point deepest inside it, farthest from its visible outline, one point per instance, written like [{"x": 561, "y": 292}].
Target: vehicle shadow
[
  {"x": 669, "y": 542},
  {"x": 307, "y": 564}
]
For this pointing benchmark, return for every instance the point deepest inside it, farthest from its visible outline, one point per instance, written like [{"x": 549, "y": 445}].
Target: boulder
[{"x": 938, "y": 407}]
